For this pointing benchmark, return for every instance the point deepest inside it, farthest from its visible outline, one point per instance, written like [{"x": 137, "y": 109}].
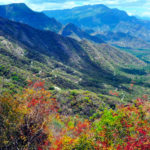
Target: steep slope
[
  {"x": 70, "y": 30},
  {"x": 21, "y": 13},
  {"x": 59, "y": 60},
  {"x": 102, "y": 19},
  {"x": 47, "y": 42}
]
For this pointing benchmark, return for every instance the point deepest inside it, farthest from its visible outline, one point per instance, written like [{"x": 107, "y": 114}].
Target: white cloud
[
  {"x": 133, "y": 7},
  {"x": 145, "y": 14},
  {"x": 52, "y": 6},
  {"x": 12, "y": 1}
]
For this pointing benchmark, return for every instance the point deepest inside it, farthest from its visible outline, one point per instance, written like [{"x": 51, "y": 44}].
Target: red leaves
[
  {"x": 113, "y": 93},
  {"x": 131, "y": 86},
  {"x": 39, "y": 148},
  {"x": 81, "y": 127},
  {"x": 33, "y": 102},
  {"x": 40, "y": 106},
  {"x": 119, "y": 147},
  {"x": 141, "y": 131},
  {"x": 145, "y": 97},
  {"x": 38, "y": 84},
  {"x": 29, "y": 82},
  {"x": 46, "y": 143},
  {"x": 41, "y": 98},
  {"x": 141, "y": 143},
  {"x": 58, "y": 144},
  {"x": 139, "y": 101}
]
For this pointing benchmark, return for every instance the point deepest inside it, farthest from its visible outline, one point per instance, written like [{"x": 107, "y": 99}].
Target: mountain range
[
  {"x": 86, "y": 22},
  {"x": 84, "y": 19},
  {"x": 118, "y": 39},
  {"x": 101, "y": 20}
]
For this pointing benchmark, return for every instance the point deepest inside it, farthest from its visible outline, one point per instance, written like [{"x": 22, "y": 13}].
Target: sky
[{"x": 132, "y": 7}]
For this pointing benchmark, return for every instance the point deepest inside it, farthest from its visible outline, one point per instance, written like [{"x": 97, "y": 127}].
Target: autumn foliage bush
[{"x": 30, "y": 120}]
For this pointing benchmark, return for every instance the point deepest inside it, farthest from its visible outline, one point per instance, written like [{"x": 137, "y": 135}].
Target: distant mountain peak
[
  {"x": 99, "y": 5},
  {"x": 18, "y": 5},
  {"x": 71, "y": 26},
  {"x": 20, "y": 12}
]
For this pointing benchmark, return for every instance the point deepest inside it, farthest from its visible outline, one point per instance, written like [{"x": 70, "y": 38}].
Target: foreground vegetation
[{"x": 32, "y": 120}]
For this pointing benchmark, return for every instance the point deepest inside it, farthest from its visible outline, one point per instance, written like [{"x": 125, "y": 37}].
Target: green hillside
[{"x": 27, "y": 53}]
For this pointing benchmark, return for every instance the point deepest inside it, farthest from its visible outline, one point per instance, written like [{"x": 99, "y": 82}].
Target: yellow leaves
[
  {"x": 111, "y": 148},
  {"x": 50, "y": 137},
  {"x": 68, "y": 143},
  {"x": 24, "y": 138},
  {"x": 7, "y": 121},
  {"x": 147, "y": 114},
  {"x": 30, "y": 91},
  {"x": 23, "y": 109},
  {"x": 48, "y": 95},
  {"x": 6, "y": 142},
  {"x": 57, "y": 116},
  {"x": 67, "y": 139}
]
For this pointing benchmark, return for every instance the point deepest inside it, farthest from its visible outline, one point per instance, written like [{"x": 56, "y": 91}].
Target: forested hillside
[{"x": 64, "y": 62}]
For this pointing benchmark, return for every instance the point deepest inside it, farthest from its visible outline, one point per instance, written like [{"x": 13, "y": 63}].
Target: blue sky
[{"x": 132, "y": 7}]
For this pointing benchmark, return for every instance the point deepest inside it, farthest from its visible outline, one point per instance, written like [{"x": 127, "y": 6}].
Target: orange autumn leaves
[{"x": 25, "y": 117}]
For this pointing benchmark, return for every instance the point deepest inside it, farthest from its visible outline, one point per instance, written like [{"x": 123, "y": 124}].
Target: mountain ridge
[
  {"x": 23, "y": 14},
  {"x": 20, "y": 12},
  {"x": 63, "y": 61},
  {"x": 104, "y": 19}
]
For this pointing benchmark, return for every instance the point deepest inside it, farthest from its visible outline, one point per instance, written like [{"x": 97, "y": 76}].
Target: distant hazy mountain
[
  {"x": 114, "y": 38},
  {"x": 102, "y": 19},
  {"x": 124, "y": 40},
  {"x": 21, "y": 13}
]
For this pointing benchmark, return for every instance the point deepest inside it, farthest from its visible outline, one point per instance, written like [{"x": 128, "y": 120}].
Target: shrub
[{"x": 30, "y": 120}]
